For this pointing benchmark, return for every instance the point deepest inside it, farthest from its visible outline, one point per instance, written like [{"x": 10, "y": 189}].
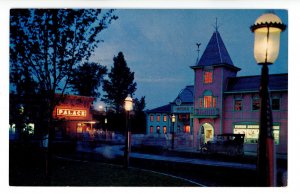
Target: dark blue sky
[{"x": 159, "y": 45}]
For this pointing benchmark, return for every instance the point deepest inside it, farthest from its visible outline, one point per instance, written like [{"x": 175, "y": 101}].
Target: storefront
[
  {"x": 73, "y": 117},
  {"x": 183, "y": 119}
]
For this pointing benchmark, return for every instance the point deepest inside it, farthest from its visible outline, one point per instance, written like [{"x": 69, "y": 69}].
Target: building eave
[
  {"x": 216, "y": 65},
  {"x": 252, "y": 91}
]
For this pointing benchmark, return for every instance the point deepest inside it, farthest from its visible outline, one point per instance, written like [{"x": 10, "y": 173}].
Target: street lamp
[
  {"x": 128, "y": 105},
  {"x": 173, "y": 130},
  {"x": 105, "y": 125},
  {"x": 267, "y": 29}
]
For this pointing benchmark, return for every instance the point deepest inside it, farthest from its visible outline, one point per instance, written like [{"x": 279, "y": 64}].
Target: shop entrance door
[{"x": 208, "y": 132}]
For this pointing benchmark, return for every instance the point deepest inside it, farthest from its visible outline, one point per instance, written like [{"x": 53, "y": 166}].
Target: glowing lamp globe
[
  {"x": 128, "y": 105},
  {"x": 267, "y": 29}
]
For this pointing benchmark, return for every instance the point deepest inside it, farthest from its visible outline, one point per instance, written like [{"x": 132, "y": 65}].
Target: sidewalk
[
  {"x": 185, "y": 159},
  {"x": 116, "y": 150}
]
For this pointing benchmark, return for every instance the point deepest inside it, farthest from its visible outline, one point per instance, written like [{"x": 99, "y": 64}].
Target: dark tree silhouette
[
  {"x": 139, "y": 118},
  {"x": 87, "y": 78},
  {"x": 120, "y": 83}
]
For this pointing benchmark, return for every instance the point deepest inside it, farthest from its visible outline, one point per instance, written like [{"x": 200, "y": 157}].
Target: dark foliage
[
  {"x": 87, "y": 78},
  {"x": 120, "y": 83},
  {"x": 139, "y": 118}
]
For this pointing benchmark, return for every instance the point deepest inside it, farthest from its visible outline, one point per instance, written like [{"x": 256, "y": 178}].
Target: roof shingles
[
  {"x": 252, "y": 83},
  {"x": 161, "y": 109},
  {"x": 215, "y": 52}
]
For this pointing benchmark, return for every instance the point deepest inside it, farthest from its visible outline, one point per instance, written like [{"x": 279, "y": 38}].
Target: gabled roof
[
  {"x": 277, "y": 82},
  {"x": 215, "y": 53},
  {"x": 161, "y": 109},
  {"x": 186, "y": 95}
]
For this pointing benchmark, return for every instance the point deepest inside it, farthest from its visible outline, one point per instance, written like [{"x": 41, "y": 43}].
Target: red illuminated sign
[{"x": 70, "y": 112}]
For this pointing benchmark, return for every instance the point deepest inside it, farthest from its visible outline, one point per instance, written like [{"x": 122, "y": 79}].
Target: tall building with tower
[{"x": 221, "y": 102}]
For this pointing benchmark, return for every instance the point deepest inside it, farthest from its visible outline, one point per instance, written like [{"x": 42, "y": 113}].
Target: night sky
[{"x": 159, "y": 45}]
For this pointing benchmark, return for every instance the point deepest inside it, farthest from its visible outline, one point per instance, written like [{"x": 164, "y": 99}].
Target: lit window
[
  {"x": 151, "y": 118},
  {"x": 207, "y": 101},
  {"x": 238, "y": 105},
  {"x": 151, "y": 129},
  {"x": 275, "y": 104},
  {"x": 158, "y": 129},
  {"x": 214, "y": 105},
  {"x": 276, "y": 136},
  {"x": 187, "y": 129},
  {"x": 210, "y": 102},
  {"x": 180, "y": 117},
  {"x": 252, "y": 132},
  {"x": 158, "y": 118},
  {"x": 208, "y": 77},
  {"x": 165, "y": 118},
  {"x": 255, "y": 104},
  {"x": 165, "y": 129}
]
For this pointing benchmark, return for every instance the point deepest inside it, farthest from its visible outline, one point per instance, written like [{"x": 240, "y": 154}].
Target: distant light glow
[{"x": 173, "y": 118}]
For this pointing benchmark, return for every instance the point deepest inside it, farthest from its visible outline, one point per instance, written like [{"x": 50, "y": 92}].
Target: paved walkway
[{"x": 116, "y": 150}]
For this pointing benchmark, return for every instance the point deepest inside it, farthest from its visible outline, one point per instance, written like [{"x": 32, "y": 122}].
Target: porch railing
[{"x": 206, "y": 112}]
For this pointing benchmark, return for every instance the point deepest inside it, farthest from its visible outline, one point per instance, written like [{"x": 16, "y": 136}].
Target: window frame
[
  {"x": 241, "y": 105},
  {"x": 252, "y": 105},
  {"x": 158, "y": 118},
  {"x": 208, "y": 100},
  {"x": 165, "y": 129},
  {"x": 165, "y": 118},
  {"x": 151, "y": 129},
  {"x": 279, "y": 103},
  {"x": 151, "y": 118}
]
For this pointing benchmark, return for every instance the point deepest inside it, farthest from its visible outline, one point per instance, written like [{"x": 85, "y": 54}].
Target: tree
[
  {"x": 48, "y": 44},
  {"x": 120, "y": 83},
  {"x": 139, "y": 119},
  {"x": 87, "y": 78}
]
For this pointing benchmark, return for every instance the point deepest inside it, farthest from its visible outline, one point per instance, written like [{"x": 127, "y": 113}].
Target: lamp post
[
  {"x": 266, "y": 31},
  {"x": 128, "y": 105},
  {"x": 105, "y": 125},
  {"x": 173, "y": 130},
  {"x": 103, "y": 110}
]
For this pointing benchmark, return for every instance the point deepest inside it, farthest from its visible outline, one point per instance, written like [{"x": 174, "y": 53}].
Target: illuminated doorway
[{"x": 208, "y": 131}]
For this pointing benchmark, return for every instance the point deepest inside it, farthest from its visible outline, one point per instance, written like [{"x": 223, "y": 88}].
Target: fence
[{"x": 181, "y": 140}]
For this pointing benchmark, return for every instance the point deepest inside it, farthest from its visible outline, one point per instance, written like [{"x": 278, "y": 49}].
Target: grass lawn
[
  {"x": 96, "y": 174},
  {"x": 27, "y": 168}
]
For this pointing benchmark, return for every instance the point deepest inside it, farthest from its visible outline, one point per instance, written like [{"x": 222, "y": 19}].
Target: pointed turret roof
[{"x": 215, "y": 53}]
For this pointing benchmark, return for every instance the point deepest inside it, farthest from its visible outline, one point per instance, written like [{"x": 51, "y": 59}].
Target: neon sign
[{"x": 70, "y": 112}]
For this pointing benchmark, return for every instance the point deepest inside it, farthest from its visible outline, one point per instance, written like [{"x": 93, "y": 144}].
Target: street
[{"x": 206, "y": 170}]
